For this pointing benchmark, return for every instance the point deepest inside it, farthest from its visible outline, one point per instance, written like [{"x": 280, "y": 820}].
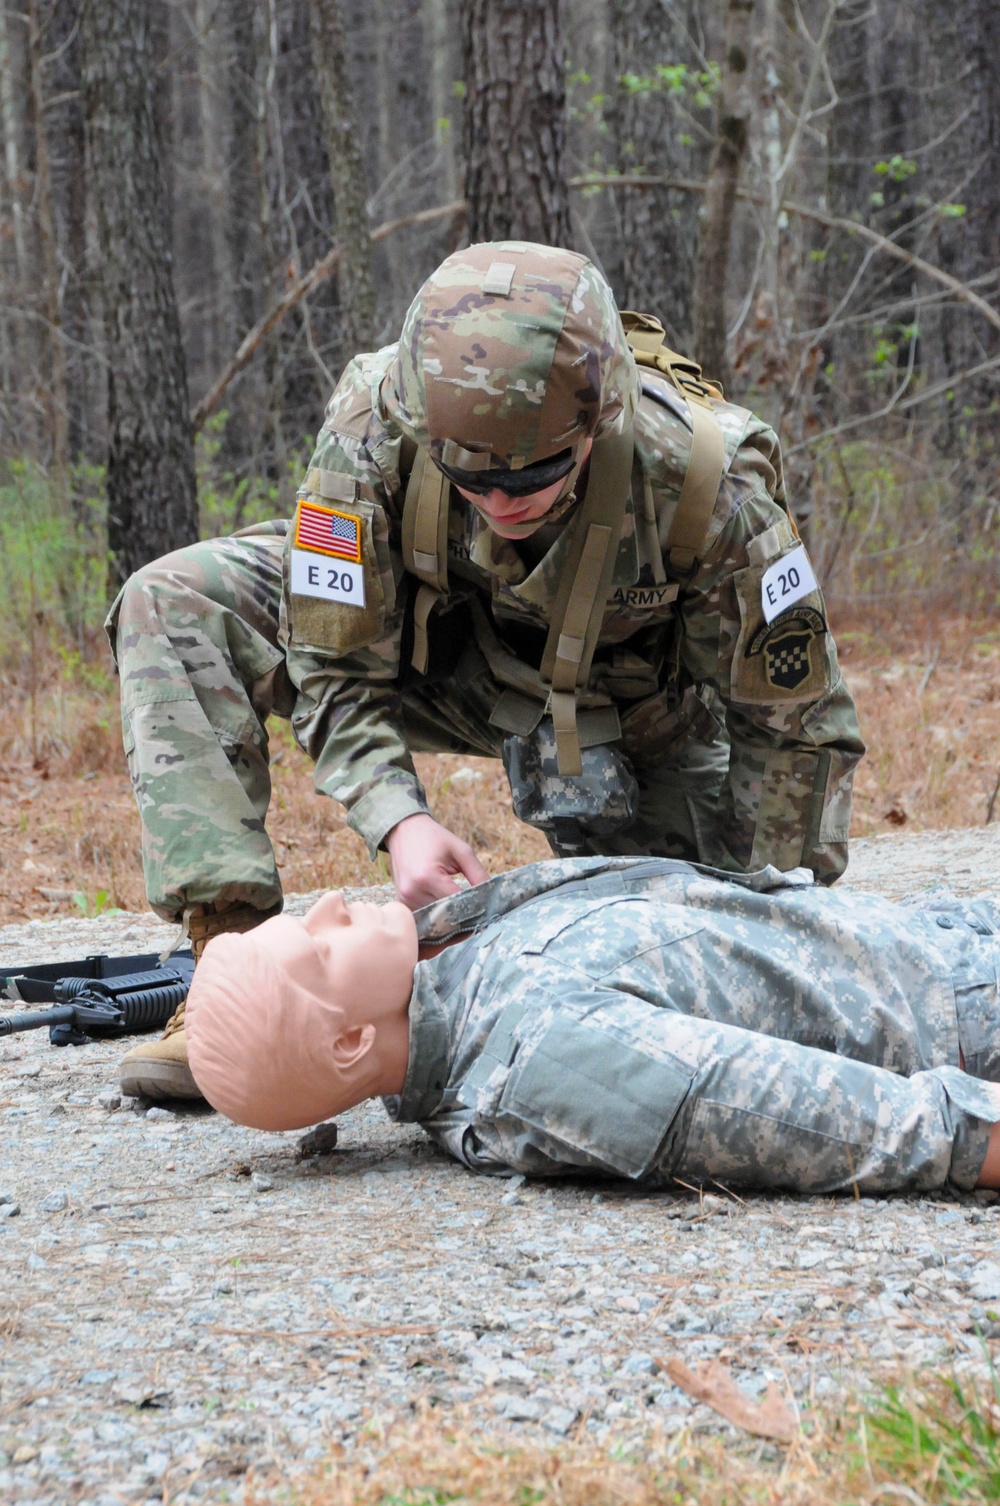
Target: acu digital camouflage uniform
[
  {"x": 649, "y": 1020},
  {"x": 742, "y": 734}
]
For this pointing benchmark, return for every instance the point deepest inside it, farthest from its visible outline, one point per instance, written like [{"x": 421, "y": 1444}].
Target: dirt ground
[
  {"x": 928, "y": 699},
  {"x": 191, "y": 1306}
]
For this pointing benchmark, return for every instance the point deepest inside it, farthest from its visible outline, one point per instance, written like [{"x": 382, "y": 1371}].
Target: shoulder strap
[
  {"x": 579, "y": 606},
  {"x": 425, "y": 545},
  {"x": 706, "y": 463}
]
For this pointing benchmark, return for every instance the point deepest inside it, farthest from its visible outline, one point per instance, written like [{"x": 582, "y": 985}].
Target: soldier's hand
[{"x": 426, "y": 857}]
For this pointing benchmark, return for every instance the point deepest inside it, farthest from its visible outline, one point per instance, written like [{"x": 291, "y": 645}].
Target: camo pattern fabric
[
  {"x": 674, "y": 1024},
  {"x": 742, "y": 733},
  {"x": 760, "y": 773},
  {"x": 196, "y": 640},
  {"x": 518, "y": 376}
]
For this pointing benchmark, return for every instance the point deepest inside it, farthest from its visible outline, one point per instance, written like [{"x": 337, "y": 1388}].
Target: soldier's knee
[{"x": 159, "y": 590}]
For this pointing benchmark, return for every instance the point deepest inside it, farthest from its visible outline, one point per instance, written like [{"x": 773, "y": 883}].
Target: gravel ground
[{"x": 185, "y": 1299}]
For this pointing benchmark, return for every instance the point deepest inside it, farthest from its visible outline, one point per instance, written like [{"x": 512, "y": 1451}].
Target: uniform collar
[{"x": 430, "y": 1048}]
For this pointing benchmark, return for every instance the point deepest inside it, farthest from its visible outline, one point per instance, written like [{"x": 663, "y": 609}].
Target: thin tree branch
[
  {"x": 803, "y": 211},
  {"x": 898, "y": 404},
  {"x": 299, "y": 290}
]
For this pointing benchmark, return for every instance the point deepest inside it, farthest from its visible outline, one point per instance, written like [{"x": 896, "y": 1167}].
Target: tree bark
[
  {"x": 57, "y": 399},
  {"x": 720, "y": 196},
  {"x": 152, "y": 501},
  {"x": 343, "y": 148},
  {"x": 514, "y": 127},
  {"x": 658, "y": 230}
]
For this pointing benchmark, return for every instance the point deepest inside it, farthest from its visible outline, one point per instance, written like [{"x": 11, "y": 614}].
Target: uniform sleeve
[
  {"x": 344, "y": 662},
  {"x": 609, "y": 1081},
  {"x": 791, "y": 720}
]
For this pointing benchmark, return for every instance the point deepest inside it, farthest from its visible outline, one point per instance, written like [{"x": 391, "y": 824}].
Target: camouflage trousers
[{"x": 195, "y": 636}]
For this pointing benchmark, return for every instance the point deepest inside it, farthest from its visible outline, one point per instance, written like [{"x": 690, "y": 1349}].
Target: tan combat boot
[{"x": 159, "y": 1069}]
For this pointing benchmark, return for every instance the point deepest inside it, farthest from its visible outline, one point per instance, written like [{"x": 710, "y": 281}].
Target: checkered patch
[{"x": 786, "y": 659}]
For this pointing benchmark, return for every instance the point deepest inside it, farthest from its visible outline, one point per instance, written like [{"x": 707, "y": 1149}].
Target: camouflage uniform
[
  {"x": 742, "y": 733},
  {"x": 650, "y": 1020}
]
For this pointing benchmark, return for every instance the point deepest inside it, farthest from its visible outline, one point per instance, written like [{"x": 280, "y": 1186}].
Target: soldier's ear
[{"x": 352, "y": 1046}]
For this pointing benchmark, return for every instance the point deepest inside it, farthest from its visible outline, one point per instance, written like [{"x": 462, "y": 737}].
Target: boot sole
[{"x": 153, "y": 1079}]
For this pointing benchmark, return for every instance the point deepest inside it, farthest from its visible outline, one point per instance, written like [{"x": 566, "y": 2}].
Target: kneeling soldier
[{"x": 529, "y": 531}]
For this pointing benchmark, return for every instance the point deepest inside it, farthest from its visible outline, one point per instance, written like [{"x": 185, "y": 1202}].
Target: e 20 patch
[{"x": 789, "y": 652}]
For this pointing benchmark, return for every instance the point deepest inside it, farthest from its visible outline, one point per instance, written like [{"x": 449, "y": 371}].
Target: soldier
[
  {"x": 521, "y": 534},
  {"x": 629, "y": 1016}
]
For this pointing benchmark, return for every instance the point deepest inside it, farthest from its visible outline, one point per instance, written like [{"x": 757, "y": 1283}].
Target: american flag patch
[{"x": 326, "y": 531}]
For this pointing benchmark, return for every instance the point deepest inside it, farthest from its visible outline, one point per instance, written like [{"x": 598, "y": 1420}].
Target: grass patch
[{"x": 928, "y": 1440}]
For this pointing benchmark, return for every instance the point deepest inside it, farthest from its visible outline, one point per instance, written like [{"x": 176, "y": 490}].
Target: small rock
[
  {"x": 110, "y": 1100},
  {"x": 9, "y": 1209},
  {"x": 130, "y": 1105},
  {"x": 160, "y": 1116},
  {"x": 24, "y": 1454},
  {"x": 30, "y": 1069},
  {"x": 7, "y": 1197},
  {"x": 518, "y": 1408},
  {"x": 639, "y": 1364},
  {"x": 559, "y": 1419},
  {"x": 318, "y": 1142},
  {"x": 260, "y": 1182},
  {"x": 514, "y": 1185},
  {"x": 627, "y": 1304},
  {"x": 984, "y": 1281},
  {"x": 54, "y": 1202}
]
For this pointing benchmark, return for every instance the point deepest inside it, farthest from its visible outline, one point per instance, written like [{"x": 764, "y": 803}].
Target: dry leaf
[{"x": 713, "y": 1384}]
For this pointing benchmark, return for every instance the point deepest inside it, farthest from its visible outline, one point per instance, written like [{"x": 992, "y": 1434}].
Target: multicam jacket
[
  {"x": 682, "y": 659},
  {"x": 647, "y": 1019}
]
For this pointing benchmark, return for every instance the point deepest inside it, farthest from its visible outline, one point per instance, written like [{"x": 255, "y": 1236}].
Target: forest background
[{"x": 207, "y": 205}]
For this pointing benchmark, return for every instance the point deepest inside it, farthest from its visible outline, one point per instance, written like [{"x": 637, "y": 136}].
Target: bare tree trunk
[
  {"x": 18, "y": 339},
  {"x": 347, "y": 174},
  {"x": 443, "y": 101},
  {"x": 67, "y": 161},
  {"x": 152, "y": 502},
  {"x": 515, "y": 120},
  {"x": 57, "y": 397},
  {"x": 720, "y": 196},
  {"x": 658, "y": 229}
]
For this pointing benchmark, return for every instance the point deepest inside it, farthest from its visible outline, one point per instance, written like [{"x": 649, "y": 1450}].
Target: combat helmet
[{"x": 512, "y": 355}]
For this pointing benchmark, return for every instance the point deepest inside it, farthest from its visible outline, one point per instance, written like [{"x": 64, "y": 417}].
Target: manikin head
[{"x": 299, "y": 1020}]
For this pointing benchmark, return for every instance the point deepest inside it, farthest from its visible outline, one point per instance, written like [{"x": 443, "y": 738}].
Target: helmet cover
[{"x": 494, "y": 379}]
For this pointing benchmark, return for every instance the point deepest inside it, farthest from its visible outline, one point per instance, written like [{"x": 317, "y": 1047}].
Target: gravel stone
[
  {"x": 176, "y": 1325},
  {"x": 984, "y": 1280}
]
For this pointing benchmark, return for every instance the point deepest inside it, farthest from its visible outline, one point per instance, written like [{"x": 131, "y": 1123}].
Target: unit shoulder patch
[{"x": 786, "y": 645}]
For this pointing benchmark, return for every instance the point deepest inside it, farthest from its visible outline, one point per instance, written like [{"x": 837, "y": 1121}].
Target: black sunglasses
[{"x": 531, "y": 478}]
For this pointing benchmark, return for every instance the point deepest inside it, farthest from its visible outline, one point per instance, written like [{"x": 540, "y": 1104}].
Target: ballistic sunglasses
[{"x": 522, "y": 483}]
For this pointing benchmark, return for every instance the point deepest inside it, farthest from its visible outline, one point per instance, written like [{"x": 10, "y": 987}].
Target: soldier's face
[{"x": 506, "y": 515}]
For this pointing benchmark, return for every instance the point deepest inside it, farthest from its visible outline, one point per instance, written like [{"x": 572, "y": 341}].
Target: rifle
[{"x": 97, "y": 996}]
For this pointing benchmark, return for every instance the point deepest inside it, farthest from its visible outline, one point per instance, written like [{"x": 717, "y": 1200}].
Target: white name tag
[
  {"x": 786, "y": 582},
  {"x": 329, "y": 579}
]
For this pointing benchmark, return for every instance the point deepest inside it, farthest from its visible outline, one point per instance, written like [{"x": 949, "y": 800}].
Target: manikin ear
[{"x": 352, "y": 1046}]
